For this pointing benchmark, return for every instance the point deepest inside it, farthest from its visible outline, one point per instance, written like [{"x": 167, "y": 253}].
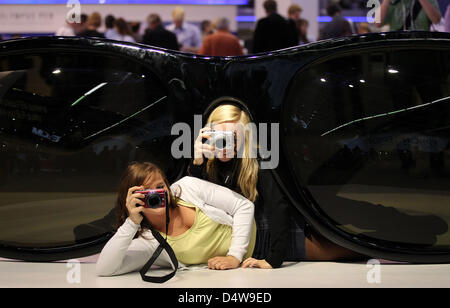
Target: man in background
[
  {"x": 157, "y": 36},
  {"x": 222, "y": 42},
  {"x": 338, "y": 27},
  {"x": 188, "y": 36},
  {"x": 294, "y": 14},
  {"x": 272, "y": 32},
  {"x": 110, "y": 32},
  {"x": 410, "y": 14}
]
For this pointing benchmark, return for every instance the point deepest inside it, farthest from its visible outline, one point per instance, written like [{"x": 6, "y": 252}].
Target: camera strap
[{"x": 162, "y": 245}]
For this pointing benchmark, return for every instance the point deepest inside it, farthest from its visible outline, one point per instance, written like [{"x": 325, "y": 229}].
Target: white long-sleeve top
[{"x": 123, "y": 254}]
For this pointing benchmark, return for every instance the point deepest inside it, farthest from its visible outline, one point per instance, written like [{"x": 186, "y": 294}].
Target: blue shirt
[
  {"x": 111, "y": 34},
  {"x": 188, "y": 35}
]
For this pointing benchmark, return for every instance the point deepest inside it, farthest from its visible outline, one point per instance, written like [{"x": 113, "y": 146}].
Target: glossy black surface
[
  {"x": 367, "y": 135},
  {"x": 366, "y": 165}
]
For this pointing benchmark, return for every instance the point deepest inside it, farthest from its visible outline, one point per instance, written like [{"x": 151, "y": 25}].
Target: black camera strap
[{"x": 162, "y": 245}]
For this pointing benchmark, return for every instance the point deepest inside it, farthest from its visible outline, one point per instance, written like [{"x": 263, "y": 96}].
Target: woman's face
[
  {"x": 237, "y": 128},
  {"x": 155, "y": 181}
]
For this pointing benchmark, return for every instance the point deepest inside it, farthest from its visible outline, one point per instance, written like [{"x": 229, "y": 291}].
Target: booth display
[{"x": 364, "y": 126}]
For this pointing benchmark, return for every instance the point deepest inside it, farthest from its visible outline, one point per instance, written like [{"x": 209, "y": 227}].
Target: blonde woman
[{"x": 279, "y": 238}]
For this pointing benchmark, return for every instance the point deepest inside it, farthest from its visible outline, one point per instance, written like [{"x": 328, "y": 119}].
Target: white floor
[{"x": 291, "y": 275}]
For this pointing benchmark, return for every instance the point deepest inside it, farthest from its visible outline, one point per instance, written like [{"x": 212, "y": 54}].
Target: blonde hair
[
  {"x": 178, "y": 13},
  {"x": 248, "y": 172},
  {"x": 294, "y": 8}
]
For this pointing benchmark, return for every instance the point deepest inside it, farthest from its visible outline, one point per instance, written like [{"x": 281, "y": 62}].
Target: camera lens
[
  {"x": 220, "y": 143},
  {"x": 153, "y": 201}
]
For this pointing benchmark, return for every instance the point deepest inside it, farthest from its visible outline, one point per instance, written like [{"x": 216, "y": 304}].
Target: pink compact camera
[{"x": 154, "y": 198}]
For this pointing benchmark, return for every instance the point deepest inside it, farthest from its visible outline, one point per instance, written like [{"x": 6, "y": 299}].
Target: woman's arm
[
  {"x": 431, "y": 10},
  {"x": 122, "y": 254},
  {"x": 276, "y": 208},
  {"x": 196, "y": 170},
  {"x": 227, "y": 201},
  {"x": 383, "y": 12}
]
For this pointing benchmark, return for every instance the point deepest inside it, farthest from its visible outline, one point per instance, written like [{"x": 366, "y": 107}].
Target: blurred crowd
[
  {"x": 210, "y": 37},
  {"x": 273, "y": 32}
]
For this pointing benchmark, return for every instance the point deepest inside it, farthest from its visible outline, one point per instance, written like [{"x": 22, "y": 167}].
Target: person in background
[
  {"x": 221, "y": 43},
  {"x": 294, "y": 13},
  {"x": 410, "y": 14},
  {"x": 66, "y": 30},
  {"x": 123, "y": 30},
  {"x": 80, "y": 27},
  {"x": 188, "y": 36},
  {"x": 93, "y": 23},
  {"x": 135, "y": 27},
  {"x": 157, "y": 36},
  {"x": 110, "y": 32},
  {"x": 447, "y": 19},
  {"x": 207, "y": 28},
  {"x": 302, "y": 27},
  {"x": 272, "y": 32},
  {"x": 339, "y": 26}
]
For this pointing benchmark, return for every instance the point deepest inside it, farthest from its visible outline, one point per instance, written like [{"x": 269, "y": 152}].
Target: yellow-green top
[{"x": 205, "y": 239}]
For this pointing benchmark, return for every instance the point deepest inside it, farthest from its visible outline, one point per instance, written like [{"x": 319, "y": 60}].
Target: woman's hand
[
  {"x": 134, "y": 211},
  {"x": 251, "y": 262},
  {"x": 202, "y": 149},
  {"x": 223, "y": 263}
]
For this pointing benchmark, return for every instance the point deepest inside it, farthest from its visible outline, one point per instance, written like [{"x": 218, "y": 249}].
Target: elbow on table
[{"x": 101, "y": 270}]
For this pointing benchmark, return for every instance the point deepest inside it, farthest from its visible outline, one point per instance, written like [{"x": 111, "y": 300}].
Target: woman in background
[{"x": 123, "y": 30}]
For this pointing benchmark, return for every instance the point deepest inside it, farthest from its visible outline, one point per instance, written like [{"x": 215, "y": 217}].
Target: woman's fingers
[
  {"x": 218, "y": 263},
  {"x": 136, "y": 196},
  {"x": 250, "y": 262},
  {"x": 137, "y": 209},
  {"x": 133, "y": 200},
  {"x": 207, "y": 147},
  {"x": 203, "y": 134},
  {"x": 133, "y": 189},
  {"x": 211, "y": 263},
  {"x": 223, "y": 263}
]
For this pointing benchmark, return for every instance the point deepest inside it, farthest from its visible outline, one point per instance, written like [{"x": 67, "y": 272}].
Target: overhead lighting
[
  {"x": 362, "y": 81},
  {"x": 323, "y": 80},
  {"x": 351, "y": 86},
  {"x": 392, "y": 71},
  {"x": 57, "y": 71}
]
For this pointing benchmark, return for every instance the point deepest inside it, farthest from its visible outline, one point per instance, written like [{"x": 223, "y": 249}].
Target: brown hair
[
  {"x": 135, "y": 175},
  {"x": 95, "y": 20},
  {"x": 270, "y": 6},
  {"x": 122, "y": 27},
  {"x": 154, "y": 19}
]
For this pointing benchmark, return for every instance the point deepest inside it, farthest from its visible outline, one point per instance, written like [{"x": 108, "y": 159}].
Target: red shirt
[{"x": 221, "y": 43}]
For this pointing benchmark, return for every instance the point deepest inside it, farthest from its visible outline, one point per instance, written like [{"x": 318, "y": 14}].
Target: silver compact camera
[{"x": 221, "y": 140}]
